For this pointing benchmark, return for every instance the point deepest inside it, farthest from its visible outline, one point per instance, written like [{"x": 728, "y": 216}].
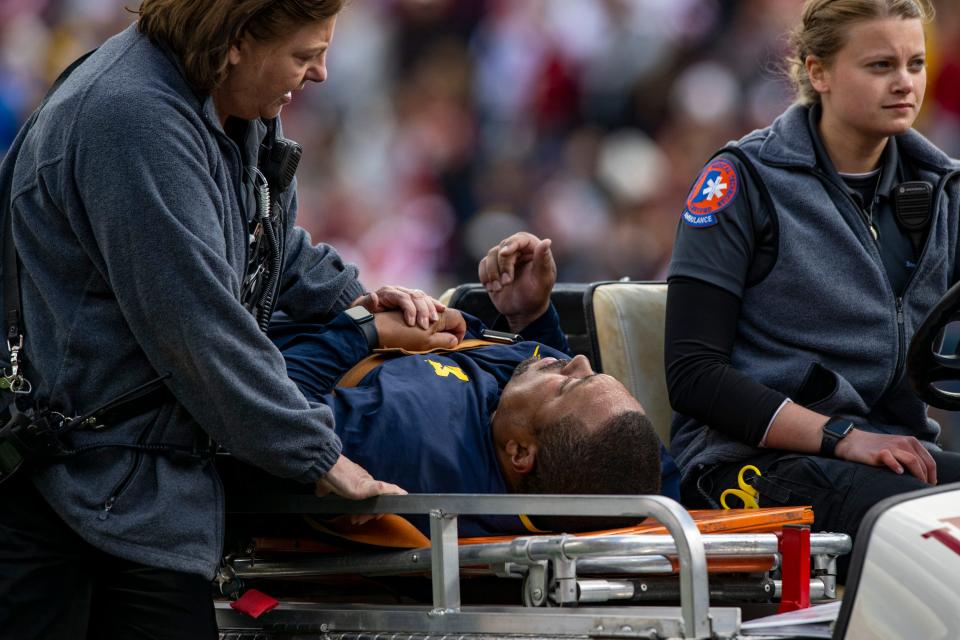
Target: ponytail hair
[{"x": 823, "y": 30}]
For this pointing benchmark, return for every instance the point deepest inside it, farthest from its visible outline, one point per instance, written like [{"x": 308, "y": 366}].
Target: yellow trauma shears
[{"x": 746, "y": 493}]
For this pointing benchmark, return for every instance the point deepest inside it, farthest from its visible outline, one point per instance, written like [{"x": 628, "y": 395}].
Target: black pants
[
  {"x": 55, "y": 586},
  {"x": 840, "y": 492}
]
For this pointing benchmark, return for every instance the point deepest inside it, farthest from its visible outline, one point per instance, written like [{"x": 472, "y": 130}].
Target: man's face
[
  {"x": 264, "y": 74},
  {"x": 543, "y": 391}
]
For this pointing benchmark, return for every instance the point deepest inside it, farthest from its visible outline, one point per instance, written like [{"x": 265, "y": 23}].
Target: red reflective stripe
[{"x": 254, "y": 603}]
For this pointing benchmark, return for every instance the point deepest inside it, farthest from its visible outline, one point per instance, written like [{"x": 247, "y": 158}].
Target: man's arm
[
  {"x": 317, "y": 356},
  {"x": 546, "y": 330}
]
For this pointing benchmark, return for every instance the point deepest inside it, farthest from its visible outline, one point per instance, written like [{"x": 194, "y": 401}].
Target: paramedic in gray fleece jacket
[
  {"x": 794, "y": 291},
  {"x": 131, "y": 201}
]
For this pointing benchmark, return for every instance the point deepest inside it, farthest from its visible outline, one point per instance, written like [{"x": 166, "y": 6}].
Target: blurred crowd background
[{"x": 446, "y": 124}]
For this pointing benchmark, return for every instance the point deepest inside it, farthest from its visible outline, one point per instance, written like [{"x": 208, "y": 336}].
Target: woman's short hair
[
  {"x": 201, "y": 32},
  {"x": 823, "y": 29}
]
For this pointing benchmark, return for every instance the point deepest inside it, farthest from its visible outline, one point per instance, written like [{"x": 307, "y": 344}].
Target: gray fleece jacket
[
  {"x": 130, "y": 216},
  {"x": 825, "y": 324}
]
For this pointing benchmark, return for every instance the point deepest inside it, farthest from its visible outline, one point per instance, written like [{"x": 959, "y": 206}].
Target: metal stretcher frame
[{"x": 695, "y": 619}]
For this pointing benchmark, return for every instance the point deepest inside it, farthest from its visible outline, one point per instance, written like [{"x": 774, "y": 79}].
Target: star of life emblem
[{"x": 713, "y": 192}]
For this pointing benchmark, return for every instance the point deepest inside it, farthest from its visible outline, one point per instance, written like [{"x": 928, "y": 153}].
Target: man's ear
[
  {"x": 523, "y": 456},
  {"x": 817, "y": 73}
]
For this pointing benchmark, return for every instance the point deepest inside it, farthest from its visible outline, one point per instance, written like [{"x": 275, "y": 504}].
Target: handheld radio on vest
[{"x": 911, "y": 206}]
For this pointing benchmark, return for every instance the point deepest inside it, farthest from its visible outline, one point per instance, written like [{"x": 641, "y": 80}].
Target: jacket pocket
[
  {"x": 121, "y": 486},
  {"x": 136, "y": 464},
  {"x": 819, "y": 386},
  {"x": 829, "y": 393},
  {"x": 793, "y": 480}
]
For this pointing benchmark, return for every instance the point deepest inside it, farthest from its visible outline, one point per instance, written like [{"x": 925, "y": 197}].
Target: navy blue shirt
[{"x": 419, "y": 421}]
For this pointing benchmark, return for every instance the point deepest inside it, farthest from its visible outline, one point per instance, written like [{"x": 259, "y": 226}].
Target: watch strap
[
  {"x": 363, "y": 319},
  {"x": 370, "y": 333}
]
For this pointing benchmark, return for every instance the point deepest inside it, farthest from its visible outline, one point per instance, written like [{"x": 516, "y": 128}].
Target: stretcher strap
[
  {"x": 528, "y": 524},
  {"x": 353, "y": 377},
  {"x": 393, "y": 531},
  {"x": 390, "y": 530},
  {"x": 766, "y": 520}
]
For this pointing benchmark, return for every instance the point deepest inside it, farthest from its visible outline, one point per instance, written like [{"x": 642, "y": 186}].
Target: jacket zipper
[
  {"x": 241, "y": 205},
  {"x": 121, "y": 486},
  {"x": 898, "y": 300},
  {"x": 238, "y": 192},
  {"x": 902, "y": 339},
  {"x": 901, "y": 359}
]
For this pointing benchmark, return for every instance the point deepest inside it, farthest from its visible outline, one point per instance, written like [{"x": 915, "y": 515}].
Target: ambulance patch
[{"x": 713, "y": 192}]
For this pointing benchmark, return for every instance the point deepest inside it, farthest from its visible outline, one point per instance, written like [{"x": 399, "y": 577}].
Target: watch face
[
  {"x": 359, "y": 314},
  {"x": 839, "y": 429}
]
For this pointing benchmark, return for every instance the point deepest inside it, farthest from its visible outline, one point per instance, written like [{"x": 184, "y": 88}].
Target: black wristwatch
[
  {"x": 834, "y": 431},
  {"x": 364, "y": 321}
]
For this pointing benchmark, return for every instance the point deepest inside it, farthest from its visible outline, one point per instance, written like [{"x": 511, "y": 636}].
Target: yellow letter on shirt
[{"x": 444, "y": 370}]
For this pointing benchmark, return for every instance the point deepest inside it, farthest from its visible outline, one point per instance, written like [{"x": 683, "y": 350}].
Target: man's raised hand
[{"x": 519, "y": 274}]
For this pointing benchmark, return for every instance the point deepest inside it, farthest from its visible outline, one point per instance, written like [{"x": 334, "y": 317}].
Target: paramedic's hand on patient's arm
[
  {"x": 447, "y": 332},
  {"x": 349, "y": 480},
  {"x": 797, "y": 428},
  {"x": 419, "y": 309},
  {"x": 519, "y": 274}
]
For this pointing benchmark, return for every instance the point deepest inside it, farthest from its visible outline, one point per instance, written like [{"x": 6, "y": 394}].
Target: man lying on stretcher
[{"x": 513, "y": 417}]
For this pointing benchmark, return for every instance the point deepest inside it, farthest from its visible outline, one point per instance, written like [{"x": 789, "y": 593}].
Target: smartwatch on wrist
[
  {"x": 364, "y": 321},
  {"x": 834, "y": 431}
]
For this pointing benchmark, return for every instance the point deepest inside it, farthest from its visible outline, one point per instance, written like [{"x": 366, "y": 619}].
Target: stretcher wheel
[{"x": 927, "y": 365}]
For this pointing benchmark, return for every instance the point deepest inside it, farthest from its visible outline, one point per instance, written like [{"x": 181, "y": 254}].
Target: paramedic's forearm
[
  {"x": 796, "y": 428},
  {"x": 701, "y": 380},
  {"x": 799, "y": 429}
]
